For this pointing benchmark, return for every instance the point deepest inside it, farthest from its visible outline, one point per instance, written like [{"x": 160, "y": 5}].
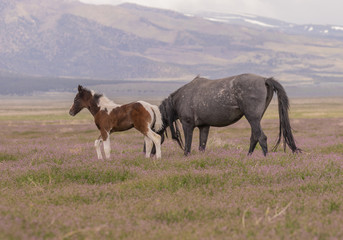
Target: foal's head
[{"x": 82, "y": 100}]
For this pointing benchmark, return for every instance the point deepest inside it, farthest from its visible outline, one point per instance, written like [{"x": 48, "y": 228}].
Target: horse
[
  {"x": 110, "y": 117},
  {"x": 203, "y": 103}
]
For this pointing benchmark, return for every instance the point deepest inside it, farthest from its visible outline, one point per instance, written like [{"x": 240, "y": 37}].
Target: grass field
[{"x": 53, "y": 187}]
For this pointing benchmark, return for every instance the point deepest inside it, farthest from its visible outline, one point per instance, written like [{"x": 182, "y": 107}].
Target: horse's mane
[
  {"x": 169, "y": 118},
  {"x": 105, "y": 103}
]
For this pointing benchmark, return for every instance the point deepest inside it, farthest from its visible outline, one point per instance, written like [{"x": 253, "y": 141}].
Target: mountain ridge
[
  {"x": 58, "y": 39},
  {"x": 251, "y": 20}
]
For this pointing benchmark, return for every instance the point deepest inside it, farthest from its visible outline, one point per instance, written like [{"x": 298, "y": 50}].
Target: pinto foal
[{"x": 110, "y": 117}]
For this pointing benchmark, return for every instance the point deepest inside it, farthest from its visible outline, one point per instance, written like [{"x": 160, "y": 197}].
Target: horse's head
[
  {"x": 82, "y": 100},
  {"x": 169, "y": 119}
]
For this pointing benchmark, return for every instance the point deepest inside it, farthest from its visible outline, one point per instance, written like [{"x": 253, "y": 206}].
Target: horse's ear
[{"x": 80, "y": 88}]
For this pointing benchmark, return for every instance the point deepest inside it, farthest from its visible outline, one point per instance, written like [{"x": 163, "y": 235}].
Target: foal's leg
[
  {"x": 97, "y": 144},
  {"x": 107, "y": 144},
  {"x": 153, "y": 150},
  {"x": 156, "y": 139},
  {"x": 203, "y": 132},
  {"x": 148, "y": 146},
  {"x": 257, "y": 135}
]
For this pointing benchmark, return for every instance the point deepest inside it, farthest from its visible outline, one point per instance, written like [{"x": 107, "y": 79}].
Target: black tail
[
  {"x": 169, "y": 118},
  {"x": 285, "y": 126}
]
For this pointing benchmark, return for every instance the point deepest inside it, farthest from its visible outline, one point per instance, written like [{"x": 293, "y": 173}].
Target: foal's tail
[
  {"x": 285, "y": 126},
  {"x": 158, "y": 124}
]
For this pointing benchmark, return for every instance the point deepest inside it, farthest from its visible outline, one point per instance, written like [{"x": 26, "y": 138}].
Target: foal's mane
[
  {"x": 97, "y": 97},
  {"x": 104, "y": 102}
]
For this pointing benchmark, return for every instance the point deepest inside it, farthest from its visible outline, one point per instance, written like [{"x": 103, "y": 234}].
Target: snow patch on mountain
[{"x": 259, "y": 23}]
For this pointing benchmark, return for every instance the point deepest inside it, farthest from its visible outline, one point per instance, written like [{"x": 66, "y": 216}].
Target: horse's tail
[
  {"x": 158, "y": 124},
  {"x": 169, "y": 118},
  {"x": 285, "y": 126}
]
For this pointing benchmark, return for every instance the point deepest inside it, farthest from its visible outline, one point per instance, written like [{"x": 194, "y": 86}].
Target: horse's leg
[
  {"x": 263, "y": 143},
  {"x": 156, "y": 139},
  {"x": 107, "y": 144},
  {"x": 97, "y": 144},
  {"x": 257, "y": 135},
  {"x": 148, "y": 146},
  {"x": 188, "y": 131},
  {"x": 203, "y": 134}
]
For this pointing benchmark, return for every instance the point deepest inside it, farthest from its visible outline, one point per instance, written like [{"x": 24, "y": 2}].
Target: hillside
[{"x": 69, "y": 39}]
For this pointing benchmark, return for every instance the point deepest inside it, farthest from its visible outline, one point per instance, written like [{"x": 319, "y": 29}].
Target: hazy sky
[{"x": 294, "y": 11}]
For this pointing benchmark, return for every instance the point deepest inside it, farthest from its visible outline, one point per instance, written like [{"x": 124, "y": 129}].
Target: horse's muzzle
[{"x": 71, "y": 112}]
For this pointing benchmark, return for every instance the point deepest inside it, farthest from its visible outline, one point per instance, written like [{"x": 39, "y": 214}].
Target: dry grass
[{"x": 53, "y": 187}]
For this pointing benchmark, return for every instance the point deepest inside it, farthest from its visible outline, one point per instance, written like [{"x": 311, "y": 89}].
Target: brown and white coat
[{"x": 110, "y": 117}]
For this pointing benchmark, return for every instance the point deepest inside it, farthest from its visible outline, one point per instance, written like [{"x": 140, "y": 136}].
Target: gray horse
[{"x": 203, "y": 103}]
